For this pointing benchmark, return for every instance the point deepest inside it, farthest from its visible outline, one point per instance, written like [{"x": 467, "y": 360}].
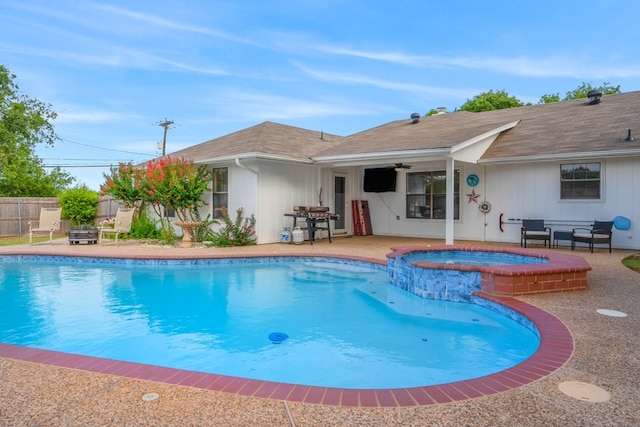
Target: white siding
[
  {"x": 533, "y": 191},
  {"x": 529, "y": 190},
  {"x": 283, "y": 186}
]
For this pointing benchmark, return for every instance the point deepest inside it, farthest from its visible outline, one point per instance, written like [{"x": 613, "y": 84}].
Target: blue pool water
[
  {"x": 345, "y": 325},
  {"x": 481, "y": 258}
]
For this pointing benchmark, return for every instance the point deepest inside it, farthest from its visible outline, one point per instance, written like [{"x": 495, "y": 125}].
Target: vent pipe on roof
[
  {"x": 594, "y": 96},
  {"x": 415, "y": 118},
  {"x": 321, "y": 134},
  {"x": 629, "y": 138}
]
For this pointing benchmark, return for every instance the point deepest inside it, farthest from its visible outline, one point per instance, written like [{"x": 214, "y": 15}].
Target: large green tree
[
  {"x": 491, "y": 100},
  {"x": 25, "y": 123}
]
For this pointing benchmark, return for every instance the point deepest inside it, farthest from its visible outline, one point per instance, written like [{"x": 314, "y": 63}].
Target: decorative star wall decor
[{"x": 473, "y": 197}]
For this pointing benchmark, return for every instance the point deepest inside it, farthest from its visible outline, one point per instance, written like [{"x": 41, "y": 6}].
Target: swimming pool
[{"x": 366, "y": 333}]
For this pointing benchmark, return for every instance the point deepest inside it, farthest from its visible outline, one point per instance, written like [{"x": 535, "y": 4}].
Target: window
[
  {"x": 580, "y": 181},
  {"x": 427, "y": 195},
  {"x": 220, "y": 191}
]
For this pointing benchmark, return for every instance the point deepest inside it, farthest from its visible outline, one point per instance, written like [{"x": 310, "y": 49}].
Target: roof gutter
[
  {"x": 567, "y": 156},
  {"x": 254, "y": 156},
  {"x": 384, "y": 155}
]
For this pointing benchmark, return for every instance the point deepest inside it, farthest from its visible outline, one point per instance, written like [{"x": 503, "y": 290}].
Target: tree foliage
[
  {"x": 164, "y": 184},
  {"x": 25, "y": 123},
  {"x": 491, "y": 100},
  {"x": 580, "y": 92},
  {"x": 79, "y": 205},
  {"x": 124, "y": 182},
  {"x": 497, "y": 100}
]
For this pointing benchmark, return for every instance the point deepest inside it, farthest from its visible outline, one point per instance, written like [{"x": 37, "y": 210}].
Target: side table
[{"x": 561, "y": 235}]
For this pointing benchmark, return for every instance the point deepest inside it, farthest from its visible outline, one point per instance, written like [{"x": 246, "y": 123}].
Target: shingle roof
[
  {"x": 567, "y": 127},
  {"x": 268, "y": 138},
  {"x": 439, "y": 131},
  {"x": 570, "y": 127},
  {"x": 561, "y": 128}
]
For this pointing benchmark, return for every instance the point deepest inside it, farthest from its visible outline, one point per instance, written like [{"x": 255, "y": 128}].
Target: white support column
[{"x": 450, "y": 187}]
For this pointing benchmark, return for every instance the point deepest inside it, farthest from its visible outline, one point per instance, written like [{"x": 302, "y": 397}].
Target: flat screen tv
[{"x": 380, "y": 180}]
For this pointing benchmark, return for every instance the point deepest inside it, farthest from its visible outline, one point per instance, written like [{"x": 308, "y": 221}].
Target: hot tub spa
[{"x": 531, "y": 272}]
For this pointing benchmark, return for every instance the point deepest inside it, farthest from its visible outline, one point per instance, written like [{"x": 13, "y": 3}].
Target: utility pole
[{"x": 165, "y": 125}]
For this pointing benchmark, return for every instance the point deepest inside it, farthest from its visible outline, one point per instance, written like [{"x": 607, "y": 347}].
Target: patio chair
[
  {"x": 121, "y": 225},
  {"x": 600, "y": 233},
  {"x": 534, "y": 229},
  {"x": 48, "y": 223}
]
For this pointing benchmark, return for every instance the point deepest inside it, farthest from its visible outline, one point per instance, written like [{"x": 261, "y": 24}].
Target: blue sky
[{"x": 113, "y": 70}]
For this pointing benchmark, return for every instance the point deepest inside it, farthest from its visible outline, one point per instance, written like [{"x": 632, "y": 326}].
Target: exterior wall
[
  {"x": 388, "y": 210},
  {"x": 524, "y": 190},
  {"x": 281, "y": 187},
  {"x": 533, "y": 191}
]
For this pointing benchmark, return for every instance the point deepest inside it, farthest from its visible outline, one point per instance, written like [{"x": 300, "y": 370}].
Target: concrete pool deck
[{"x": 606, "y": 354}]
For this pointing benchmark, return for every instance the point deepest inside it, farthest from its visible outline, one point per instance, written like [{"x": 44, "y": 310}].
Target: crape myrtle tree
[{"x": 24, "y": 123}]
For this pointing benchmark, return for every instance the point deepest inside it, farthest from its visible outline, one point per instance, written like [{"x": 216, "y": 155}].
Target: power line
[
  {"x": 84, "y": 160},
  {"x": 106, "y": 149},
  {"x": 77, "y": 166}
]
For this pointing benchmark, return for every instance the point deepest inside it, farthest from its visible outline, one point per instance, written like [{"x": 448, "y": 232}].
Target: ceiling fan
[{"x": 400, "y": 166}]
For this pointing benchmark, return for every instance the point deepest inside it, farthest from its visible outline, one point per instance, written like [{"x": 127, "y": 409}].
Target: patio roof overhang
[{"x": 470, "y": 151}]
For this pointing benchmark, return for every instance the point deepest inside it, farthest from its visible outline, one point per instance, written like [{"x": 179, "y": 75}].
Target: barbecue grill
[{"x": 316, "y": 218}]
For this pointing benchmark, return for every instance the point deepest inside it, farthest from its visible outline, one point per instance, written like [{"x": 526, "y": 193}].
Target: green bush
[
  {"x": 144, "y": 227},
  {"x": 240, "y": 232},
  {"x": 79, "y": 205}
]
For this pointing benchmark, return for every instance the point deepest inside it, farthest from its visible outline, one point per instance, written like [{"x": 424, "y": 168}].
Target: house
[{"x": 460, "y": 176}]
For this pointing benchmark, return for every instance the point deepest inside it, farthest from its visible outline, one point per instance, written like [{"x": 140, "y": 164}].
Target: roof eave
[
  {"x": 354, "y": 159},
  {"x": 253, "y": 156},
  {"x": 562, "y": 156}
]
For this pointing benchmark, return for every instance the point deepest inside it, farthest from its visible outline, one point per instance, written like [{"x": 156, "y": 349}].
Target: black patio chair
[
  {"x": 599, "y": 234},
  {"x": 534, "y": 229}
]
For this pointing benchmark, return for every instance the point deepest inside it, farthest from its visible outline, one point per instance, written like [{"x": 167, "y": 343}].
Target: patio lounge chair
[
  {"x": 600, "y": 233},
  {"x": 121, "y": 224},
  {"x": 48, "y": 223},
  {"x": 534, "y": 229}
]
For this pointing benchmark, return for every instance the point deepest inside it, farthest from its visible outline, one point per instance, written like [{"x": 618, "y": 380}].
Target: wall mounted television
[{"x": 380, "y": 180}]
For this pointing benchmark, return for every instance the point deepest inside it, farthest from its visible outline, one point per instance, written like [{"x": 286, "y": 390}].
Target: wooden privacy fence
[{"x": 16, "y": 212}]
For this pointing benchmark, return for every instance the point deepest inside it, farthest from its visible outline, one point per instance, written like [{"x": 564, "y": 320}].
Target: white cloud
[
  {"x": 555, "y": 65},
  {"x": 344, "y": 78}
]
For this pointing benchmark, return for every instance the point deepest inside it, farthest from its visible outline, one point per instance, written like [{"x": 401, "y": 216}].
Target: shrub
[
  {"x": 144, "y": 227},
  {"x": 79, "y": 205},
  {"x": 240, "y": 232}
]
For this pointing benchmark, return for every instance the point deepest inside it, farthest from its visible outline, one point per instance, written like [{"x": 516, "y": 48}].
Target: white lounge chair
[
  {"x": 48, "y": 223},
  {"x": 121, "y": 224}
]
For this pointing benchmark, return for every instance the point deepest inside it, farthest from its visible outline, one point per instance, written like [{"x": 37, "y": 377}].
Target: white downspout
[{"x": 246, "y": 167}]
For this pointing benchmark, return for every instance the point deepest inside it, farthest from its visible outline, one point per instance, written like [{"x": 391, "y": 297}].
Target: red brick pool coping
[
  {"x": 563, "y": 272},
  {"x": 556, "y": 348}
]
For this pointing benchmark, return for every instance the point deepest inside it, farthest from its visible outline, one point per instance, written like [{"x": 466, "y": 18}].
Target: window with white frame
[
  {"x": 220, "y": 191},
  {"x": 580, "y": 181},
  {"x": 427, "y": 195}
]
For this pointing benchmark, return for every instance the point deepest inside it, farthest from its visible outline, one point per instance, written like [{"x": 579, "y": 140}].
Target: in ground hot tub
[{"x": 454, "y": 273}]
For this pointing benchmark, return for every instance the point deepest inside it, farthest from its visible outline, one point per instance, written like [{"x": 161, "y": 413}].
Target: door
[{"x": 340, "y": 202}]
